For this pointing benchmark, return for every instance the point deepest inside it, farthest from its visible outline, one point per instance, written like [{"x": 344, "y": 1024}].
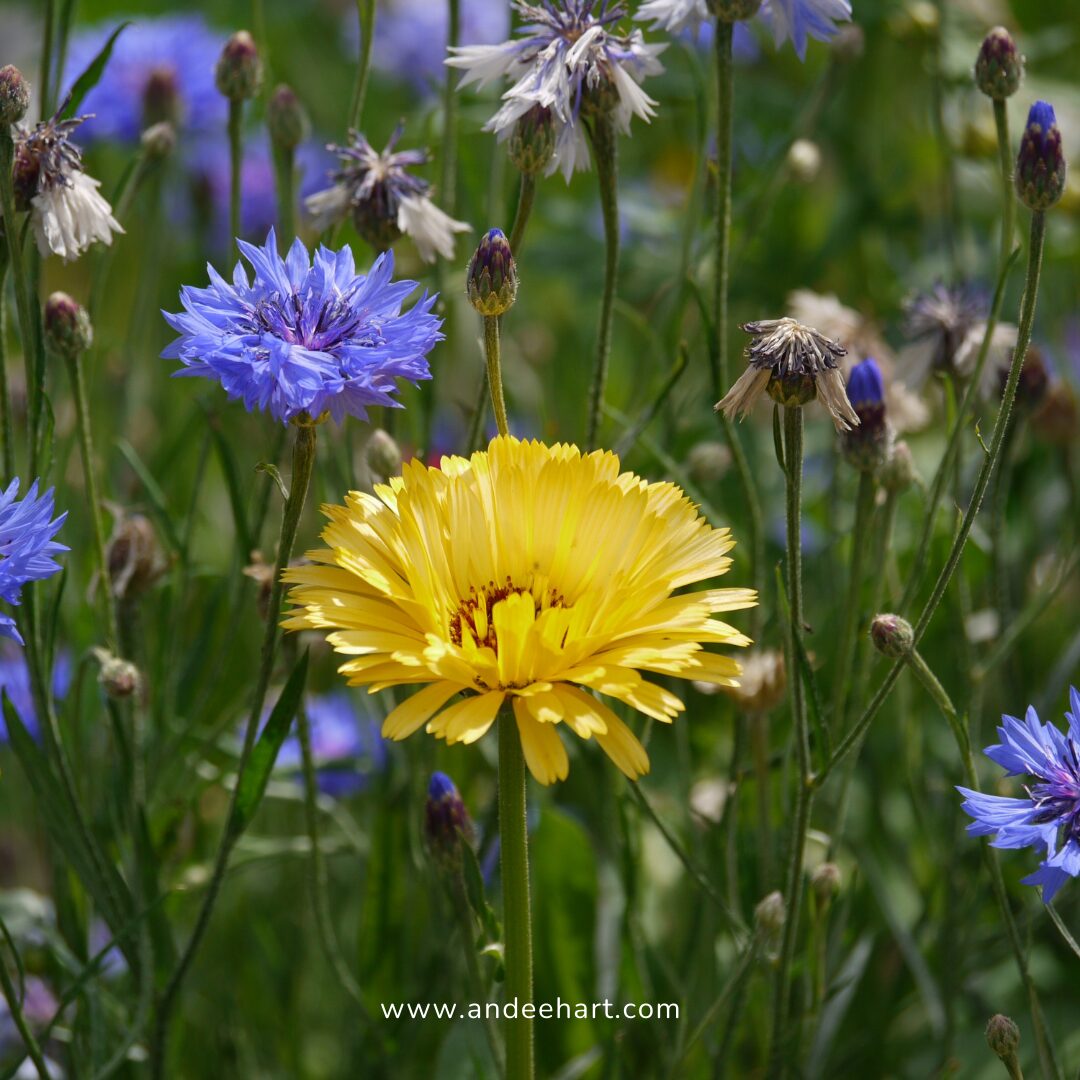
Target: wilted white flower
[
  {"x": 673, "y": 15},
  {"x": 568, "y": 60},
  {"x": 384, "y": 199},
  {"x": 67, "y": 211}
]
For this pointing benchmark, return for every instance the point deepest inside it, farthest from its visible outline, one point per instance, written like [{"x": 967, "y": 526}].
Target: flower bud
[
  {"x": 892, "y": 636},
  {"x": 120, "y": 678},
  {"x": 286, "y": 118},
  {"x": 866, "y": 446},
  {"x": 14, "y": 95},
  {"x": 25, "y": 176},
  {"x": 383, "y": 455},
  {"x": 762, "y": 681},
  {"x": 1040, "y": 165},
  {"x": 238, "y": 74},
  {"x": 491, "y": 280},
  {"x": 1003, "y": 1037},
  {"x": 898, "y": 472},
  {"x": 161, "y": 101},
  {"x": 159, "y": 140},
  {"x": 999, "y": 67},
  {"x": 532, "y": 141},
  {"x": 67, "y": 326},
  {"x": 733, "y": 10},
  {"x": 133, "y": 556},
  {"x": 804, "y": 160},
  {"x": 262, "y": 573},
  {"x": 446, "y": 821},
  {"x": 825, "y": 884},
  {"x": 769, "y": 918},
  {"x": 708, "y": 462},
  {"x": 601, "y": 98},
  {"x": 793, "y": 389}
]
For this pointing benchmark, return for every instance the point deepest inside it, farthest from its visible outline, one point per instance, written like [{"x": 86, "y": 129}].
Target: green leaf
[
  {"x": 158, "y": 502},
  {"x": 252, "y": 785},
  {"x": 271, "y": 470},
  {"x": 91, "y": 76},
  {"x": 474, "y": 890}
]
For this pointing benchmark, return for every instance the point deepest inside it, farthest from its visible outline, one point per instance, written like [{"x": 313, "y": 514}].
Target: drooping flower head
[
  {"x": 525, "y": 574},
  {"x": 384, "y": 199},
  {"x": 305, "y": 336},
  {"x": 161, "y": 68},
  {"x": 27, "y": 547},
  {"x": 795, "y": 363},
  {"x": 1048, "y": 817},
  {"x": 569, "y": 59},
  {"x": 66, "y": 209},
  {"x": 346, "y": 747}
]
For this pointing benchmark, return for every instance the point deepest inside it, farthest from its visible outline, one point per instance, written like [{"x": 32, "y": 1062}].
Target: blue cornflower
[
  {"x": 346, "y": 747},
  {"x": 160, "y": 69},
  {"x": 866, "y": 445},
  {"x": 305, "y": 336},
  {"x": 446, "y": 819},
  {"x": 865, "y": 385},
  {"x": 15, "y": 683},
  {"x": 1049, "y": 816},
  {"x": 802, "y": 19},
  {"x": 27, "y": 528}
]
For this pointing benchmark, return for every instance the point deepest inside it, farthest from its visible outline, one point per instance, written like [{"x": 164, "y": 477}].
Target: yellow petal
[
  {"x": 544, "y": 752},
  {"x": 417, "y": 710},
  {"x": 618, "y": 741},
  {"x": 467, "y": 720}
]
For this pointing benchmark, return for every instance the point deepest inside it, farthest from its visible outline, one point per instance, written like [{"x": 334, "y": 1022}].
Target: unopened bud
[
  {"x": 119, "y": 678},
  {"x": 866, "y": 446},
  {"x": 892, "y": 636},
  {"x": 898, "y": 472},
  {"x": 825, "y": 884},
  {"x": 262, "y": 573},
  {"x": 159, "y": 140},
  {"x": 14, "y": 95},
  {"x": 532, "y": 140},
  {"x": 804, "y": 160},
  {"x": 161, "y": 99},
  {"x": 733, "y": 10},
  {"x": 133, "y": 556},
  {"x": 769, "y": 918},
  {"x": 238, "y": 74},
  {"x": 1040, "y": 165},
  {"x": 708, "y": 462},
  {"x": 286, "y": 118},
  {"x": 446, "y": 821},
  {"x": 1003, "y": 1037},
  {"x": 67, "y": 326},
  {"x": 383, "y": 455},
  {"x": 491, "y": 280},
  {"x": 999, "y": 67}
]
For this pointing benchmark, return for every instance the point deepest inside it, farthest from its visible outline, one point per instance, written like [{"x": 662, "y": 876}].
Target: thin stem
[
  {"x": 15, "y": 1010},
  {"x": 25, "y": 301},
  {"x": 1008, "y": 220},
  {"x": 7, "y": 450},
  {"x": 302, "y": 465},
  {"x": 236, "y": 165},
  {"x": 517, "y": 919},
  {"x": 448, "y": 174},
  {"x": 725, "y": 80},
  {"x": 494, "y": 371},
  {"x": 285, "y": 182},
  {"x": 605, "y": 154},
  {"x": 759, "y": 747},
  {"x": 86, "y": 448},
  {"x": 479, "y": 416},
  {"x": 365, "y": 10},
  {"x": 521, "y": 215},
  {"x": 948, "y": 179},
  {"x": 48, "y": 34},
  {"x": 864, "y": 511},
  {"x": 989, "y": 465},
  {"x": 793, "y": 459}
]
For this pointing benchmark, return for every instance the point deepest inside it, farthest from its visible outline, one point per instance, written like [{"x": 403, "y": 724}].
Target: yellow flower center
[{"x": 474, "y": 616}]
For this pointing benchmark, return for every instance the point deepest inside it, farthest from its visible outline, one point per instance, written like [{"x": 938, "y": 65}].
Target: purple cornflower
[
  {"x": 567, "y": 58},
  {"x": 305, "y": 336},
  {"x": 15, "y": 683},
  {"x": 384, "y": 199},
  {"x": 346, "y": 747},
  {"x": 160, "y": 69},
  {"x": 1049, "y": 816},
  {"x": 27, "y": 528}
]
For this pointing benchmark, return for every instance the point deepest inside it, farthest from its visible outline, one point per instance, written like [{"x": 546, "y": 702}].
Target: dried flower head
[
  {"x": 795, "y": 363},
  {"x": 763, "y": 682}
]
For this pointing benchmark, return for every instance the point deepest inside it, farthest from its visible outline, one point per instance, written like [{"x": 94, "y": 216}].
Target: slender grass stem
[
  {"x": 365, "y": 10},
  {"x": 1008, "y": 219},
  {"x": 479, "y": 416},
  {"x": 7, "y": 449},
  {"x": 986, "y": 472},
  {"x": 302, "y": 466},
  {"x": 448, "y": 155},
  {"x": 725, "y": 85},
  {"x": 526, "y": 196},
  {"x": 605, "y": 153},
  {"x": 48, "y": 34},
  {"x": 11, "y": 996},
  {"x": 517, "y": 918},
  {"x": 236, "y": 166},
  {"x": 793, "y": 462},
  {"x": 86, "y": 449},
  {"x": 492, "y": 353},
  {"x": 285, "y": 183}
]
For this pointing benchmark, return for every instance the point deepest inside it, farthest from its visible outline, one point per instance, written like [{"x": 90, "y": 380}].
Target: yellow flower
[{"x": 526, "y": 572}]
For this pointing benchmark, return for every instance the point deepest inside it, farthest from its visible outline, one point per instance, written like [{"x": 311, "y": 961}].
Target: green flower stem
[
  {"x": 11, "y": 995},
  {"x": 365, "y": 10},
  {"x": 864, "y": 512},
  {"x": 521, "y": 215},
  {"x": 7, "y": 451},
  {"x": 1008, "y": 220},
  {"x": 302, "y": 466},
  {"x": 494, "y": 372},
  {"x": 517, "y": 919},
  {"x": 86, "y": 448},
  {"x": 605, "y": 153},
  {"x": 759, "y": 747},
  {"x": 479, "y": 415},
  {"x": 48, "y": 35},
  {"x": 285, "y": 183},
  {"x": 941, "y": 135},
  {"x": 448, "y": 173},
  {"x": 236, "y": 165},
  {"x": 25, "y": 300},
  {"x": 725, "y": 79},
  {"x": 793, "y": 464},
  {"x": 959, "y": 727},
  {"x": 989, "y": 465}
]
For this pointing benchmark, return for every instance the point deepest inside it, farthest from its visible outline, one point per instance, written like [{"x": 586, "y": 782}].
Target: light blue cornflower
[
  {"x": 27, "y": 528},
  {"x": 160, "y": 69},
  {"x": 305, "y": 336},
  {"x": 15, "y": 683},
  {"x": 1048, "y": 817}
]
